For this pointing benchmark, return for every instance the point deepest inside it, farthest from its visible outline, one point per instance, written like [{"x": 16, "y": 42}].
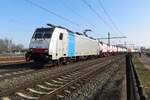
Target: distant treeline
[{"x": 9, "y": 45}]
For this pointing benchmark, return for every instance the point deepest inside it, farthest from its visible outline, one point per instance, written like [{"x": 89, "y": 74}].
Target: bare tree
[
  {"x": 19, "y": 47},
  {"x": 8, "y": 45}
]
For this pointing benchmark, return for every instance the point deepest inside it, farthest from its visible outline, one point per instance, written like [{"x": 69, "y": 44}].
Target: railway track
[
  {"x": 11, "y": 59},
  {"x": 15, "y": 70},
  {"x": 54, "y": 86}
]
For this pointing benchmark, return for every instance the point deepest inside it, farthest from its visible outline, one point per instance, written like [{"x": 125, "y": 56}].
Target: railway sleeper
[
  {"x": 57, "y": 82},
  {"x": 59, "y": 97},
  {"x": 37, "y": 92},
  {"x": 44, "y": 87},
  {"x": 61, "y": 79},
  {"x": 67, "y": 91},
  {"x": 53, "y": 85},
  {"x": 27, "y": 96}
]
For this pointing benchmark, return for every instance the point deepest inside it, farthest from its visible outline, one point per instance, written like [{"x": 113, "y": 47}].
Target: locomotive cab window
[
  {"x": 41, "y": 33},
  {"x": 61, "y": 36}
]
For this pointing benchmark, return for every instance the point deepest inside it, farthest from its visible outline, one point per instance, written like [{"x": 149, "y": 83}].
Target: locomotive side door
[{"x": 59, "y": 49}]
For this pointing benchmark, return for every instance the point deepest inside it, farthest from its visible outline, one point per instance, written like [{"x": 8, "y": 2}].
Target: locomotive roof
[
  {"x": 54, "y": 26},
  {"x": 44, "y": 28}
]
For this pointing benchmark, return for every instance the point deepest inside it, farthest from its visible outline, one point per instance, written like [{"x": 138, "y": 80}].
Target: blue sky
[{"x": 18, "y": 19}]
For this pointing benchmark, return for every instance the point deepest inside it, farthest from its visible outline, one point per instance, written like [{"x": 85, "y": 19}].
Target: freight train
[{"x": 58, "y": 44}]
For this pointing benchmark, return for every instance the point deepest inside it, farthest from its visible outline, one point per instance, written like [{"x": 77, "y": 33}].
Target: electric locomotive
[{"x": 59, "y": 45}]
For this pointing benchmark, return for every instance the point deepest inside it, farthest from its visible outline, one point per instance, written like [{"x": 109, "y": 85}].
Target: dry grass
[{"x": 144, "y": 75}]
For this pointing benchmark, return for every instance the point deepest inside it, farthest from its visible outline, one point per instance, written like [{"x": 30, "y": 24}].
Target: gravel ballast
[
  {"x": 105, "y": 86},
  {"x": 10, "y": 83}
]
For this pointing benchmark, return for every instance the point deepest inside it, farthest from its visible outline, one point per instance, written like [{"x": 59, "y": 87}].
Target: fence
[{"x": 134, "y": 87}]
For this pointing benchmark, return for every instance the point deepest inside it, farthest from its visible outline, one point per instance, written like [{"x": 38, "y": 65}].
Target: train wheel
[
  {"x": 57, "y": 62},
  {"x": 28, "y": 56}
]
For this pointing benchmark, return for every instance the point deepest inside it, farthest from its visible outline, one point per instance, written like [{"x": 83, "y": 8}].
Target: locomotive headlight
[
  {"x": 31, "y": 49},
  {"x": 46, "y": 50}
]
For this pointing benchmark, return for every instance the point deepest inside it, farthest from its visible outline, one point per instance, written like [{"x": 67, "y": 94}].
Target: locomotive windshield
[{"x": 43, "y": 33}]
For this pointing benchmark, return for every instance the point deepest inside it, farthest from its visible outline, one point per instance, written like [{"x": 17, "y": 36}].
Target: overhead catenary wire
[
  {"x": 97, "y": 14},
  {"x": 108, "y": 16},
  {"x": 79, "y": 15},
  {"x": 53, "y": 13},
  {"x": 76, "y": 13}
]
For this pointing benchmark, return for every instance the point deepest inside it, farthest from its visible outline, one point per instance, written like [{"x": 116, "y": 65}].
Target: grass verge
[{"x": 144, "y": 75}]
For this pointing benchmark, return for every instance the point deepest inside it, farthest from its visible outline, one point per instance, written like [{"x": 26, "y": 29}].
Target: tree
[{"x": 8, "y": 45}]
